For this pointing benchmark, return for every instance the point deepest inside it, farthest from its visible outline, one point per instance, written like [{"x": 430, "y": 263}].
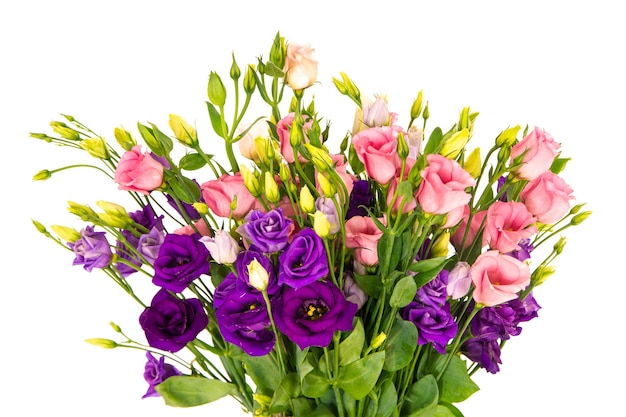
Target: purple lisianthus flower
[
  {"x": 123, "y": 251},
  {"x": 496, "y": 322},
  {"x": 435, "y": 292},
  {"x": 268, "y": 232},
  {"x": 309, "y": 316},
  {"x": 147, "y": 218},
  {"x": 524, "y": 250},
  {"x": 361, "y": 195},
  {"x": 170, "y": 323},
  {"x": 182, "y": 258},
  {"x": 241, "y": 265},
  {"x": 485, "y": 352},
  {"x": 92, "y": 250},
  {"x": 504, "y": 197},
  {"x": 304, "y": 261},
  {"x": 149, "y": 244},
  {"x": 157, "y": 371},
  {"x": 352, "y": 291},
  {"x": 434, "y": 324}
]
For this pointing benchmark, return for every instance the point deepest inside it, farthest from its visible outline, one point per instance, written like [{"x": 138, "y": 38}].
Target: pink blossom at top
[
  {"x": 539, "y": 149},
  {"x": 363, "y": 235},
  {"x": 300, "y": 66},
  {"x": 443, "y": 185},
  {"x": 508, "y": 223},
  {"x": 377, "y": 148},
  {"x": 547, "y": 197},
  {"x": 498, "y": 278},
  {"x": 220, "y": 193},
  {"x": 139, "y": 172}
]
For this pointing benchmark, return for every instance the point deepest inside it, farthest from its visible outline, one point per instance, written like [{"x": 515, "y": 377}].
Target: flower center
[{"x": 316, "y": 311}]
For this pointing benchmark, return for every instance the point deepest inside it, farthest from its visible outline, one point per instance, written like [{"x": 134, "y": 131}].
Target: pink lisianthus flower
[
  {"x": 547, "y": 197},
  {"x": 220, "y": 193},
  {"x": 376, "y": 148},
  {"x": 539, "y": 150},
  {"x": 363, "y": 235},
  {"x": 498, "y": 278},
  {"x": 139, "y": 172},
  {"x": 508, "y": 223},
  {"x": 459, "y": 239},
  {"x": 443, "y": 185}
]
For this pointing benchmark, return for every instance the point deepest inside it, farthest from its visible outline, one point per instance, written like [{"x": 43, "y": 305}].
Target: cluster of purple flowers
[
  {"x": 492, "y": 325},
  {"x": 307, "y": 308},
  {"x": 430, "y": 312}
]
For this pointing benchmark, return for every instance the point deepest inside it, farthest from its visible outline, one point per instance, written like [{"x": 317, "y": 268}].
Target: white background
[{"x": 557, "y": 65}]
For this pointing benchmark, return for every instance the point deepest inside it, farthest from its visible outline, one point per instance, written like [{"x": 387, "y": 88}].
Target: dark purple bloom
[
  {"x": 243, "y": 318},
  {"x": 504, "y": 197},
  {"x": 241, "y": 264},
  {"x": 182, "y": 258},
  {"x": 309, "y": 316},
  {"x": 434, "y": 324},
  {"x": 146, "y": 217},
  {"x": 268, "y": 232},
  {"x": 361, "y": 195},
  {"x": 123, "y": 251},
  {"x": 496, "y": 322},
  {"x": 157, "y": 371},
  {"x": 92, "y": 250},
  {"x": 485, "y": 352},
  {"x": 526, "y": 309},
  {"x": 435, "y": 291},
  {"x": 170, "y": 323},
  {"x": 523, "y": 252},
  {"x": 304, "y": 261}
]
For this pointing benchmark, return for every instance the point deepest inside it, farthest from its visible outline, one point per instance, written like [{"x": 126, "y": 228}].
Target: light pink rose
[
  {"x": 508, "y": 223},
  {"x": 220, "y": 193},
  {"x": 540, "y": 148},
  {"x": 474, "y": 232},
  {"x": 443, "y": 185},
  {"x": 362, "y": 235},
  {"x": 300, "y": 67},
  {"x": 138, "y": 172},
  {"x": 498, "y": 278},
  {"x": 377, "y": 147},
  {"x": 283, "y": 128},
  {"x": 547, "y": 197}
]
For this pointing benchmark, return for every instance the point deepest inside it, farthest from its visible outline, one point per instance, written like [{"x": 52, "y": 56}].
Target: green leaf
[
  {"x": 288, "y": 388},
  {"x": 315, "y": 384},
  {"x": 164, "y": 141},
  {"x": 428, "y": 264},
  {"x": 401, "y": 344},
  {"x": 558, "y": 165},
  {"x": 388, "y": 399},
  {"x": 455, "y": 384},
  {"x": 359, "y": 377},
  {"x": 191, "y": 162},
  {"x": 216, "y": 120},
  {"x": 403, "y": 293},
  {"x": 350, "y": 349},
  {"x": 389, "y": 252},
  {"x": 435, "y": 141},
  {"x": 447, "y": 410},
  {"x": 190, "y": 391},
  {"x": 185, "y": 189},
  {"x": 272, "y": 70},
  {"x": 370, "y": 284},
  {"x": 321, "y": 411},
  {"x": 422, "y": 398},
  {"x": 263, "y": 370},
  {"x": 150, "y": 140}
]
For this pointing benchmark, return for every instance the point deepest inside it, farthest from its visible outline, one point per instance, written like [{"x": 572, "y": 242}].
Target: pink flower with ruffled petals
[
  {"x": 508, "y": 223},
  {"x": 363, "y": 235},
  {"x": 376, "y": 148},
  {"x": 539, "y": 150},
  {"x": 443, "y": 186},
  {"x": 547, "y": 197},
  {"x": 498, "y": 278}
]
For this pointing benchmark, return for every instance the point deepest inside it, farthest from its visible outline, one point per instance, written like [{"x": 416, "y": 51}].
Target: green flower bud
[
  {"x": 82, "y": 211},
  {"x": 40, "y": 227},
  {"x": 455, "y": 144},
  {"x": 283, "y": 173},
  {"x": 580, "y": 217},
  {"x": 278, "y": 51},
  {"x": 183, "y": 131},
  {"x": 328, "y": 189},
  {"x": 472, "y": 163},
  {"x": 201, "y": 208},
  {"x": 508, "y": 136},
  {"x": 416, "y": 108},
  {"x": 440, "y": 245},
  {"x": 378, "y": 340},
  {"x": 65, "y": 131},
  {"x": 403, "y": 147},
  {"x": 271, "y": 188},
  {"x": 321, "y": 225},
  {"x": 216, "y": 90},
  {"x": 124, "y": 138},
  {"x": 96, "y": 147},
  {"x": 558, "y": 246},
  {"x": 115, "y": 327},
  {"x": 235, "y": 72},
  {"x": 320, "y": 158},
  {"x": 250, "y": 181},
  {"x": 249, "y": 80},
  {"x": 307, "y": 202},
  {"x": 42, "y": 175},
  {"x": 103, "y": 343},
  {"x": 426, "y": 113},
  {"x": 66, "y": 233},
  {"x": 541, "y": 274},
  {"x": 114, "y": 215}
]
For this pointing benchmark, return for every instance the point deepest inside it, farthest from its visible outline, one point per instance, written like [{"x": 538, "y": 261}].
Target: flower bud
[
  {"x": 278, "y": 51},
  {"x": 96, "y": 147},
  {"x": 576, "y": 208},
  {"x": 42, "y": 175},
  {"x": 472, "y": 163},
  {"x": 459, "y": 280},
  {"x": 250, "y": 181},
  {"x": 320, "y": 157},
  {"x": 201, "y": 208},
  {"x": 378, "y": 340},
  {"x": 249, "y": 80},
  {"x": 307, "y": 203},
  {"x": 440, "y": 245},
  {"x": 40, "y": 227},
  {"x": 66, "y": 233},
  {"x": 235, "y": 72},
  {"x": 270, "y": 188},
  {"x": 321, "y": 225},
  {"x": 327, "y": 206},
  {"x": 124, "y": 138},
  {"x": 376, "y": 114},
  {"x": 65, "y": 131},
  {"x": 257, "y": 275},
  {"x": 455, "y": 144},
  {"x": 216, "y": 90},
  {"x": 415, "y": 138},
  {"x": 103, "y": 343},
  {"x": 183, "y": 131},
  {"x": 560, "y": 245},
  {"x": 223, "y": 247},
  {"x": 403, "y": 147},
  {"x": 328, "y": 189},
  {"x": 115, "y": 327},
  {"x": 580, "y": 217},
  {"x": 426, "y": 113},
  {"x": 416, "y": 108},
  {"x": 114, "y": 215},
  {"x": 508, "y": 136},
  {"x": 541, "y": 274},
  {"x": 283, "y": 173},
  {"x": 86, "y": 213}
]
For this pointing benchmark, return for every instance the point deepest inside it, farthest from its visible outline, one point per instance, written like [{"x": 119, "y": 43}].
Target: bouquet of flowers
[{"x": 370, "y": 280}]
